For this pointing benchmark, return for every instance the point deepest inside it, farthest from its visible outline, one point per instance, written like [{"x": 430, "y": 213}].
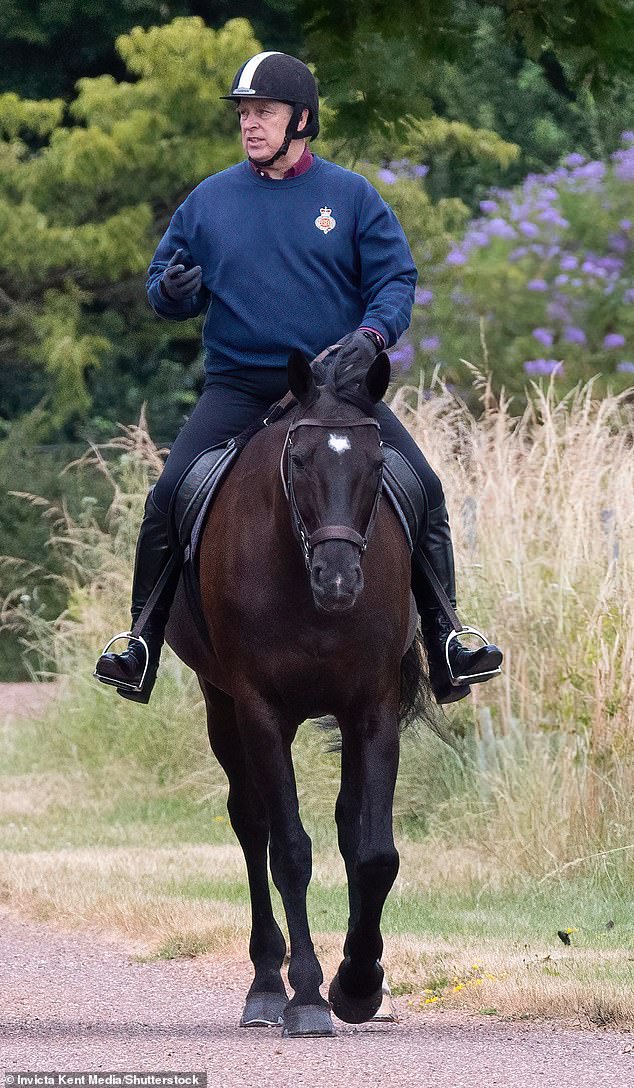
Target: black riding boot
[
  {"x": 474, "y": 666},
  {"x": 127, "y": 668}
]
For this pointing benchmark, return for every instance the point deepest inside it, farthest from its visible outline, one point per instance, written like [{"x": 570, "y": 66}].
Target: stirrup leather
[
  {"x": 123, "y": 683},
  {"x": 473, "y": 678}
]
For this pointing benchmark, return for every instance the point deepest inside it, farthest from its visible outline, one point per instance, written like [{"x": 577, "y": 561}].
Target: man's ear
[
  {"x": 377, "y": 378},
  {"x": 301, "y": 380},
  {"x": 303, "y": 121}
]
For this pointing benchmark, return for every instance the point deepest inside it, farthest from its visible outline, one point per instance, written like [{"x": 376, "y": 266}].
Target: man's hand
[
  {"x": 178, "y": 282},
  {"x": 358, "y": 349}
]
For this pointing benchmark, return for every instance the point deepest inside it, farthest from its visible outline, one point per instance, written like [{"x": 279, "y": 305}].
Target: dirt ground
[
  {"x": 75, "y": 1002},
  {"x": 24, "y": 700}
]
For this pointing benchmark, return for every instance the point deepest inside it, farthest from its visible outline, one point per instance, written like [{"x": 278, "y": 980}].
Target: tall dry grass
[{"x": 542, "y": 509}]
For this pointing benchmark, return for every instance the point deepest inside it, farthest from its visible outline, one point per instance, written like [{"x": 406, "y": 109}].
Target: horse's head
[{"x": 334, "y": 466}]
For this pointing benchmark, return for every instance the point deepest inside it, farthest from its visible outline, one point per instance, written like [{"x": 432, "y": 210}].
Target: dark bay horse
[{"x": 305, "y": 621}]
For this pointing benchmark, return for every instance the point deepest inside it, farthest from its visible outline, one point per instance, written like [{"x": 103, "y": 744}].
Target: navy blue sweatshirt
[{"x": 291, "y": 263}]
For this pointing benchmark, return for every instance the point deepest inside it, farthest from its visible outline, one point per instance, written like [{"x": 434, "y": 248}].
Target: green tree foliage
[
  {"x": 504, "y": 90},
  {"x": 83, "y": 201},
  {"x": 379, "y": 62},
  {"x": 46, "y": 45}
]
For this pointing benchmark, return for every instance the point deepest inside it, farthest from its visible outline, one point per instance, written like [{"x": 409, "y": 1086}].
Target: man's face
[{"x": 263, "y": 126}]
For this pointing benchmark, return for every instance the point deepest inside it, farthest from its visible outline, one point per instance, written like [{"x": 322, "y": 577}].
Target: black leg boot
[
  {"x": 469, "y": 666},
  {"x": 134, "y": 669}
]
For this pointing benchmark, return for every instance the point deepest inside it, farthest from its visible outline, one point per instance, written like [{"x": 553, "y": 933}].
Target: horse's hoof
[
  {"x": 385, "y": 1013},
  {"x": 353, "y": 1010},
  {"x": 263, "y": 1010},
  {"x": 307, "y": 1020}
]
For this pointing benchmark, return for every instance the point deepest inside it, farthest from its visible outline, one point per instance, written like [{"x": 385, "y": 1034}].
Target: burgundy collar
[{"x": 303, "y": 164}]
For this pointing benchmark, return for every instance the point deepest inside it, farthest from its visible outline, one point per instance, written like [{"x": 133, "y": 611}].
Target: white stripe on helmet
[{"x": 251, "y": 68}]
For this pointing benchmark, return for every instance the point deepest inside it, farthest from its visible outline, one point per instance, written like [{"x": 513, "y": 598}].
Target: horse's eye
[{"x": 297, "y": 461}]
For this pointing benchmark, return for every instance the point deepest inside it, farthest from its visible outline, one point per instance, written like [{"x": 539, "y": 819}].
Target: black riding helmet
[{"x": 280, "y": 78}]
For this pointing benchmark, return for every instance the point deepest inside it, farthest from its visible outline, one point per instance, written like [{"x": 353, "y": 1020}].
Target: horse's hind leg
[
  {"x": 267, "y": 996},
  {"x": 364, "y": 818}
]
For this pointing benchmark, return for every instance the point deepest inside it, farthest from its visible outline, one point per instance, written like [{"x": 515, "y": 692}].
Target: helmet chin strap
[{"x": 290, "y": 134}]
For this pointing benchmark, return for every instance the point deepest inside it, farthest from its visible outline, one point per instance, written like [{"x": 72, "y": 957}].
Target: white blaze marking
[{"x": 339, "y": 443}]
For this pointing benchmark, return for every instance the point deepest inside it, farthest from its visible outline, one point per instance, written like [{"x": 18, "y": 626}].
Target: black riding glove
[
  {"x": 180, "y": 283},
  {"x": 359, "y": 348}
]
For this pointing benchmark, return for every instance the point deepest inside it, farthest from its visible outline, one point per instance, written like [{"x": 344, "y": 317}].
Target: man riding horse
[{"x": 285, "y": 250}]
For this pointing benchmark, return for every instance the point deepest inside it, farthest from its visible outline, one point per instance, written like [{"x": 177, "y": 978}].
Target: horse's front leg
[
  {"x": 267, "y": 738},
  {"x": 267, "y": 995},
  {"x": 371, "y": 747}
]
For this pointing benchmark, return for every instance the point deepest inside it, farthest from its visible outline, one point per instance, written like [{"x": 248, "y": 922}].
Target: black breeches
[{"x": 231, "y": 402}]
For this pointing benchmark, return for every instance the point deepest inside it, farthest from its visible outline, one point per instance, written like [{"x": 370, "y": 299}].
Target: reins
[{"x": 308, "y": 540}]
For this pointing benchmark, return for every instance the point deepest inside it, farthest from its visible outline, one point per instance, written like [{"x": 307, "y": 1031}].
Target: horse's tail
[{"x": 416, "y": 697}]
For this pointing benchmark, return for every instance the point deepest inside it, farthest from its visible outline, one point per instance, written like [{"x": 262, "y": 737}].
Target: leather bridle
[{"x": 324, "y": 532}]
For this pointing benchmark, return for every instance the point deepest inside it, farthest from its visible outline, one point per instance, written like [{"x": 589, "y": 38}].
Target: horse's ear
[
  {"x": 301, "y": 380},
  {"x": 378, "y": 377}
]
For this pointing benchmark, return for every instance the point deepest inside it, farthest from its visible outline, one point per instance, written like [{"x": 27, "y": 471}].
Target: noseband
[{"x": 324, "y": 532}]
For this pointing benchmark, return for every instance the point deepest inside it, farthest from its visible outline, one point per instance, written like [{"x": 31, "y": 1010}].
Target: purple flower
[
  {"x": 575, "y": 159},
  {"x": 455, "y": 257},
  {"x": 592, "y": 171},
  {"x": 617, "y": 243},
  {"x": 574, "y": 335},
  {"x": 628, "y": 296},
  {"x": 545, "y": 195},
  {"x": 478, "y": 238},
  {"x": 561, "y": 279},
  {"x": 624, "y": 164},
  {"x": 387, "y": 176},
  {"x": 531, "y": 230},
  {"x": 430, "y": 343},
  {"x": 422, "y": 296},
  {"x": 625, "y": 224},
  {"x": 543, "y": 367},
  {"x": 553, "y": 217},
  {"x": 625, "y": 367},
  {"x": 499, "y": 228},
  {"x": 421, "y": 171},
  {"x": 558, "y": 310},
  {"x": 613, "y": 340},
  {"x": 488, "y": 206},
  {"x": 568, "y": 262},
  {"x": 403, "y": 356},
  {"x": 544, "y": 336},
  {"x": 538, "y": 284},
  {"x": 517, "y": 253},
  {"x": 627, "y": 137}
]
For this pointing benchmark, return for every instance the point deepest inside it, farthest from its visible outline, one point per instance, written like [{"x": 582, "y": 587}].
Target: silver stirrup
[
  {"x": 473, "y": 678},
  {"x": 122, "y": 683}
]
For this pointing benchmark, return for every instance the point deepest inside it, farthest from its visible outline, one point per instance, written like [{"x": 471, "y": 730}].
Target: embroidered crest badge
[{"x": 325, "y": 220}]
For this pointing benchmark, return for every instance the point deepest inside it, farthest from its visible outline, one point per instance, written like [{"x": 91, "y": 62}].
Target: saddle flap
[
  {"x": 196, "y": 490},
  {"x": 404, "y": 488}
]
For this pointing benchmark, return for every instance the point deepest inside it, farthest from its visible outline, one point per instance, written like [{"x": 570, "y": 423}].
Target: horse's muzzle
[{"x": 336, "y": 577}]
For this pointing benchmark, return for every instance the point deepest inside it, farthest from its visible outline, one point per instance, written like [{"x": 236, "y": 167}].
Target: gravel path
[{"x": 71, "y": 1001}]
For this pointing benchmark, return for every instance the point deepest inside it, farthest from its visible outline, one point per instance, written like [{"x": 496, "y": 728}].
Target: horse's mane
[{"x": 345, "y": 380}]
